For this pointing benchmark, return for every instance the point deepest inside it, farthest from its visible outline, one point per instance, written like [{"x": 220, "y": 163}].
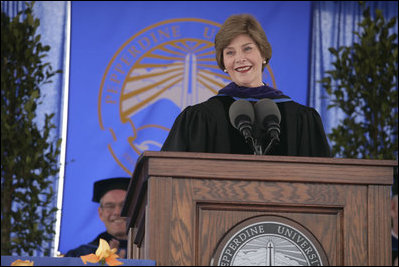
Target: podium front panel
[{"x": 182, "y": 219}]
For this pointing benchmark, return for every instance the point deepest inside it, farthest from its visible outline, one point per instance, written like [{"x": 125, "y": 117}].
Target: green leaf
[
  {"x": 29, "y": 156},
  {"x": 363, "y": 82}
]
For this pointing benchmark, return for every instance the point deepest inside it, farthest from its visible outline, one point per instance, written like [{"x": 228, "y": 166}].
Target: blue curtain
[
  {"x": 53, "y": 31},
  {"x": 11, "y": 8},
  {"x": 332, "y": 26}
]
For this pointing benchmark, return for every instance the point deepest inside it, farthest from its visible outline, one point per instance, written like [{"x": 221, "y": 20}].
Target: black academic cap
[{"x": 103, "y": 186}]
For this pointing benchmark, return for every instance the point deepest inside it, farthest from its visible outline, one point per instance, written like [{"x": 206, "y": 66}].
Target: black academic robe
[
  {"x": 93, "y": 245},
  {"x": 206, "y": 127}
]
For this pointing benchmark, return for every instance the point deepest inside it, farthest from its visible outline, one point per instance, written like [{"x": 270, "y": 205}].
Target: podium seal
[{"x": 269, "y": 241}]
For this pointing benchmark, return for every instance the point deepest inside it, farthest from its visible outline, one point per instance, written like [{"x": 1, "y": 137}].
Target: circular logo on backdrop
[
  {"x": 153, "y": 76},
  {"x": 269, "y": 241}
]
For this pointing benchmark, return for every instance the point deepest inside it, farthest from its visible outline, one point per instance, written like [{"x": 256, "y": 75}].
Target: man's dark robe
[
  {"x": 206, "y": 127},
  {"x": 93, "y": 245}
]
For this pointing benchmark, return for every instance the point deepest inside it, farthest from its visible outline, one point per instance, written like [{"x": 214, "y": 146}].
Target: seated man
[{"x": 110, "y": 193}]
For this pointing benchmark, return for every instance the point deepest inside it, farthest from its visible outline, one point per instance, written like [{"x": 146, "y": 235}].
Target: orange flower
[
  {"x": 104, "y": 254},
  {"x": 22, "y": 263}
]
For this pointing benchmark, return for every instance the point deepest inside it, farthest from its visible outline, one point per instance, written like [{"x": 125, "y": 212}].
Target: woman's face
[{"x": 243, "y": 61}]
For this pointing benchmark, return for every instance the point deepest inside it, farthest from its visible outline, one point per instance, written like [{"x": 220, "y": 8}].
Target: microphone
[
  {"x": 242, "y": 116},
  {"x": 269, "y": 117}
]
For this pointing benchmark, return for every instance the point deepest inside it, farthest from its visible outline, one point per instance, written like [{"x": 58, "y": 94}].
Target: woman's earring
[
  {"x": 264, "y": 61},
  {"x": 225, "y": 70}
]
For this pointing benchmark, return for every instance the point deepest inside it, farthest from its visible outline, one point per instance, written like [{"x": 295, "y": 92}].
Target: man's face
[{"x": 109, "y": 211}]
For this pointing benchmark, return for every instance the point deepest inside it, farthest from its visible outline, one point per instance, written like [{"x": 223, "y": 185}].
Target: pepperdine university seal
[{"x": 269, "y": 241}]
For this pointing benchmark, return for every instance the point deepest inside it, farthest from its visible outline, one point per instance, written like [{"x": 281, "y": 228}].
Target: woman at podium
[{"x": 247, "y": 116}]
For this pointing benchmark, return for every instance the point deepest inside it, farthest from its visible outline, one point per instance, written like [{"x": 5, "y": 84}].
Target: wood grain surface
[{"x": 180, "y": 205}]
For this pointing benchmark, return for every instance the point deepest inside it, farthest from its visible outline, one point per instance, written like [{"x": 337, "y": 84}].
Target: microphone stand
[
  {"x": 270, "y": 145},
  {"x": 254, "y": 145},
  {"x": 273, "y": 132},
  {"x": 257, "y": 147}
]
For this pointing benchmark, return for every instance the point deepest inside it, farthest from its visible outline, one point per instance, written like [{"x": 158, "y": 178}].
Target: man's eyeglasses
[{"x": 111, "y": 206}]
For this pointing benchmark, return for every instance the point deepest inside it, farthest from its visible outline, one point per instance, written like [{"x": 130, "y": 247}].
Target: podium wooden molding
[{"x": 180, "y": 204}]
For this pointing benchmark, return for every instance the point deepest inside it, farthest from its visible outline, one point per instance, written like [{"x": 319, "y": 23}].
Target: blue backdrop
[{"x": 135, "y": 66}]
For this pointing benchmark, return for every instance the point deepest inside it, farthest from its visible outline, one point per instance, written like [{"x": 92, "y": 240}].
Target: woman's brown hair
[{"x": 241, "y": 24}]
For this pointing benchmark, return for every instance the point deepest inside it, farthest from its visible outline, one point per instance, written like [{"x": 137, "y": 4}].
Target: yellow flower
[
  {"x": 103, "y": 253},
  {"x": 22, "y": 263}
]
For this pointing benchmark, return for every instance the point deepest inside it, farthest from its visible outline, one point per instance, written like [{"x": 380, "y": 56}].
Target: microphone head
[
  {"x": 241, "y": 110},
  {"x": 266, "y": 111}
]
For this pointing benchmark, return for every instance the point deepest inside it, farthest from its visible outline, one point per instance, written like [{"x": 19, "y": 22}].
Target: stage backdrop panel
[{"x": 135, "y": 66}]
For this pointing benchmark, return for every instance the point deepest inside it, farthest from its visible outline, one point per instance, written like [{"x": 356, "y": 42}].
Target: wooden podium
[{"x": 180, "y": 205}]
